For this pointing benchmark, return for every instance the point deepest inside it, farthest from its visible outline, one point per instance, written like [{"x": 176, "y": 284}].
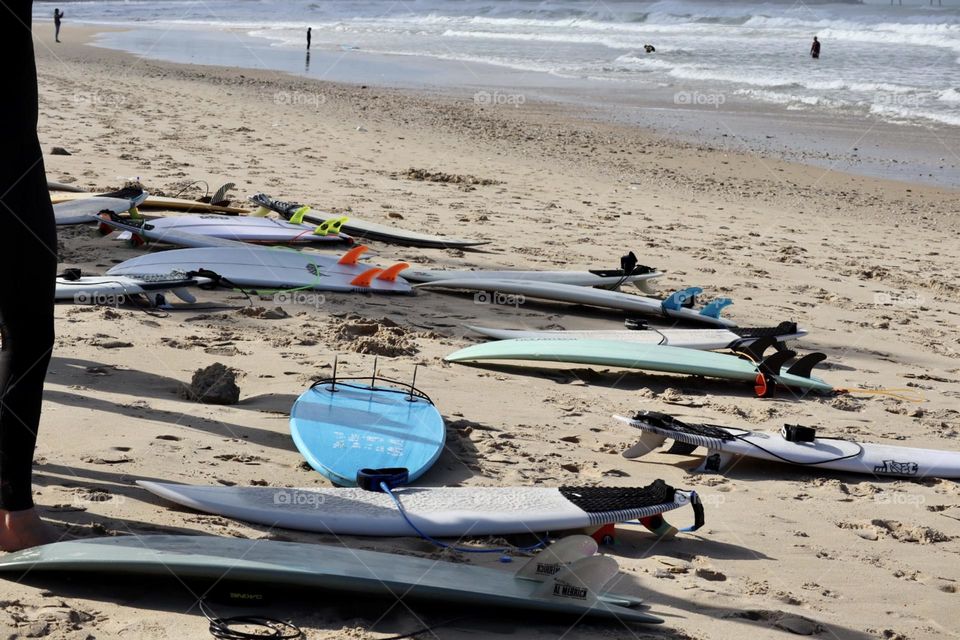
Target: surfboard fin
[
  {"x": 554, "y": 558},
  {"x": 329, "y": 227},
  {"x": 135, "y": 213},
  {"x": 351, "y": 257},
  {"x": 755, "y": 349},
  {"x": 681, "y": 448},
  {"x": 647, "y": 443},
  {"x": 685, "y": 298},
  {"x": 659, "y": 526},
  {"x": 715, "y": 461},
  {"x": 579, "y": 581},
  {"x": 184, "y": 295},
  {"x": 712, "y": 310},
  {"x": 261, "y": 212},
  {"x": 390, "y": 274},
  {"x": 804, "y": 366},
  {"x": 297, "y": 217},
  {"x": 365, "y": 279},
  {"x": 772, "y": 364},
  {"x": 646, "y": 286}
]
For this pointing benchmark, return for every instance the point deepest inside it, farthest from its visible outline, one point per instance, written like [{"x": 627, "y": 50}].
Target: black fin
[
  {"x": 804, "y": 366},
  {"x": 755, "y": 349},
  {"x": 772, "y": 365},
  {"x": 681, "y": 448}
]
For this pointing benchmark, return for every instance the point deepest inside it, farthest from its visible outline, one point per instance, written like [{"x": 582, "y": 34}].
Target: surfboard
[
  {"x": 651, "y": 358},
  {"x": 155, "y": 202},
  {"x": 342, "y": 426},
  {"x": 86, "y": 210},
  {"x": 436, "y": 511},
  {"x": 361, "y": 229},
  {"x": 702, "y": 339},
  {"x": 251, "y": 266},
  {"x": 237, "y": 228},
  {"x": 613, "y": 278},
  {"x": 670, "y": 308},
  {"x": 725, "y": 444},
  {"x": 564, "y": 582},
  {"x": 119, "y": 290}
]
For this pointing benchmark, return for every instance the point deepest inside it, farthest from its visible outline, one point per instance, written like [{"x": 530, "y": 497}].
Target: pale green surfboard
[
  {"x": 565, "y": 578},
  {"x": 644, "y": 356}
]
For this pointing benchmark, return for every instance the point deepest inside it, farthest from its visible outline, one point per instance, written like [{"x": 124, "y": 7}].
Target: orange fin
[
  {"x": 351, "y": 257},
  {"x": 365, "y": 279},
  {"x": 390, "y": 275}
]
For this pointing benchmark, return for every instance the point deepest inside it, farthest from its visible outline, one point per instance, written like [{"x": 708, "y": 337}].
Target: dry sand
[{"x": 859, "y": 557}]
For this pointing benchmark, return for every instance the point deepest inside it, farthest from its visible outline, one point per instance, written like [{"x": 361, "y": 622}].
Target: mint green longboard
[
  {"x": 651, "y": 357},
  {"x": 565, "y": 578}
]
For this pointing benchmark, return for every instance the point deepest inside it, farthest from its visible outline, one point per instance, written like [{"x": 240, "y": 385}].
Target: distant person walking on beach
[
  {"x": 309, "y": 29},
  {"x": 815, "y": 48},
  {"x": 28, "y": 244},
  {"x": 57, "y": 16}
]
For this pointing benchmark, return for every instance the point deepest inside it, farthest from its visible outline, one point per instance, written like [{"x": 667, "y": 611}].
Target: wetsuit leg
[{"x": 27, "y": 248}]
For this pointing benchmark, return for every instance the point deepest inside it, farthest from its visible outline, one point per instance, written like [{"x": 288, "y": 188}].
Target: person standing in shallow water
[
  {"x": 28, "y": 244},
  {"x": 815, "y": 48},
  {"x": 309, "y": 29},
  {"x": 57, "y": 17}
]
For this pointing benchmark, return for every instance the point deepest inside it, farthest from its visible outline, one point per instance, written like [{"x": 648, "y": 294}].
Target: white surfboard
[
  {"x": 436, "y": 511},
  {"x": 154, "y": 202},
  {"x": 120, "y": 290},
  {"x": 612, "y": 278},
  {"x": 243, "y": 229},
  {"x": 86, "y": 210},
  {"x": 725, "y": 444},
  {"x": 703, "y": 339},
  {"x": 588, "y": 296},
  {"x": 251, "y": 266}
]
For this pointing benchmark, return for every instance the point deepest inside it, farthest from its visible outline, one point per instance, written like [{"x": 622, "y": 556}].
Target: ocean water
[{"x": 898, "y": 63}]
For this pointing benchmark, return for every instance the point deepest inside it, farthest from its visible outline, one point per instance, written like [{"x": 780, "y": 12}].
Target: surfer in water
[
  {"x": 309, "y": 35},
  {"x": 815, "y": 48},
  {"x": 57, "y": 17},
  {"x": 28, "y": 244}
]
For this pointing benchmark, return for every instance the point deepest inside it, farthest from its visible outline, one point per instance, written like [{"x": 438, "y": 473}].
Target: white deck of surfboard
[
  {"x": 444, "y": 511},
  {"x": 838, "y": 455},
  {"x": 86, "y": 210},
  {"x": 575, "y": 278},
  {"x": 116, "y": 290},
  {"x": 578, "y": 295},
  {"x": 253, "y": 266},
  {"x": 238, "y": 229}
]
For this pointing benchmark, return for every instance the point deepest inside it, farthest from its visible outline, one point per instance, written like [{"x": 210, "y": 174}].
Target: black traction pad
[
  {"x": 784, "y": 328},
  {"x": 606, "y": 499}
]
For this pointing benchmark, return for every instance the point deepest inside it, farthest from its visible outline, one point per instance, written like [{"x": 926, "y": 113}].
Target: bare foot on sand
[{"x": 23, "y": 529}]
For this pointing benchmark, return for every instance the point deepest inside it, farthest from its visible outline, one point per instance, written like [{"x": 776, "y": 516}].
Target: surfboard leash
[{"x": 223, "y": 628}]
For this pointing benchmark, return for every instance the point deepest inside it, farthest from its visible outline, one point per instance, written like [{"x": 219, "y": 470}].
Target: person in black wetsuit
[
  {"x": 28, "y": 245},
  {"x": 815, "y": 48},
  {"x": 57, "y": 17},
  {"x": 309, "y": 30}
]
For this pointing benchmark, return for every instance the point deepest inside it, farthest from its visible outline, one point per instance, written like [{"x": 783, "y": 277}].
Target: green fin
[{"x": 297, "y": 216}]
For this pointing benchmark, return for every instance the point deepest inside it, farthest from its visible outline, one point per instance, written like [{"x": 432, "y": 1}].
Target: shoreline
[{"x": 864, "y": 145}]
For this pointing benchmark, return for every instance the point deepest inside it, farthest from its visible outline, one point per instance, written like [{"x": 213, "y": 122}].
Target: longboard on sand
[
  {"x": 344, "y": 425},
  {"x": 118, "y": 290},
  {"x": 639, "y": 277},
  {"x": 725, "y": 444},
  {"x": 298, "y": 213},
  {"x": 180, "y": 230},
  {"x": 655, "y": 358},
  {"x": 568, "y": 581},
  {"x": 702, "y": 339},
  {"x": 251, "y": 266},
  {"x": 437, "y": 511},
  {"x": 678, "y": 306},
  {"x": 86, "y": 210}
]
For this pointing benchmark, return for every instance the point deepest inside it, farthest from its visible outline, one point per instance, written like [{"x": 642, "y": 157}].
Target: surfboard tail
[{"x": 554, "y": 558}]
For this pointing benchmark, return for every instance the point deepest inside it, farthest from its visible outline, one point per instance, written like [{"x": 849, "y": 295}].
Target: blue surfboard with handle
[{"x": 343, "y": 425}]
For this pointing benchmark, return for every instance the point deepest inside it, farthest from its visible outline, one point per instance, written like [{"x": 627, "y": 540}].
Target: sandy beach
[{"x": 867, "y": 266}]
